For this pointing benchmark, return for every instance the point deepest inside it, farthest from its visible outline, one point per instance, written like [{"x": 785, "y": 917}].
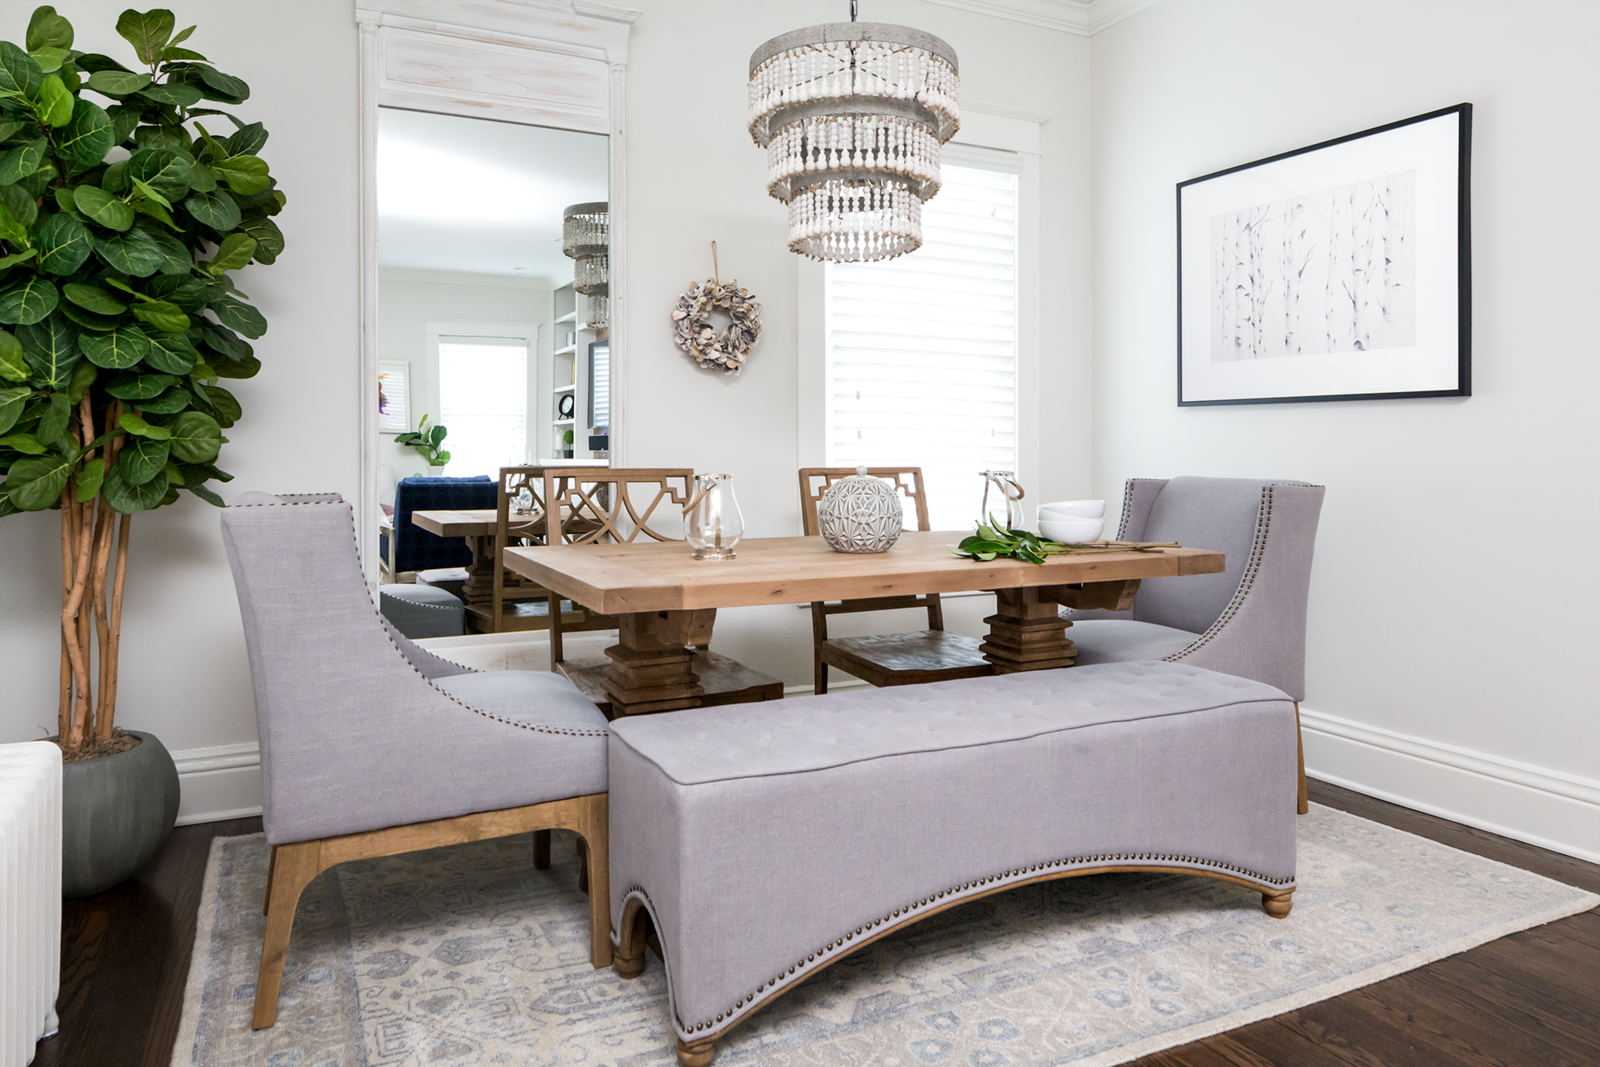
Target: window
[
  {"x": 483, "y": 401},
  {"x": 920, "y": 352}
]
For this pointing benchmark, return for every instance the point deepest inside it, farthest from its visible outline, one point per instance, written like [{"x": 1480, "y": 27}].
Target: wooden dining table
[
  {"x": 667, "y": 601},
  {"x": 477, "y": 526}
]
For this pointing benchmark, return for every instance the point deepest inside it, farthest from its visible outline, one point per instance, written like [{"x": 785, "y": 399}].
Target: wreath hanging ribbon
[{"x": 726, "y": 351}]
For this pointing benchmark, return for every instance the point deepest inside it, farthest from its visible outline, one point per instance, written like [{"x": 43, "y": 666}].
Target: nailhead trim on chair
[
  {"x": 832, "y": 947},
  {"x": 355, "y": 545},
  {"x": 1248, "y": 579},
  {"x": 1127, "y": 504}
]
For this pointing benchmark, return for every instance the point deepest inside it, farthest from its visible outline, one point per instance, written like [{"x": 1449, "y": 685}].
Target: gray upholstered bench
[{"x": 764, "y": 843}]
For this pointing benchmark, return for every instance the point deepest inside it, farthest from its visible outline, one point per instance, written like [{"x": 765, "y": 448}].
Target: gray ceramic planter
[{"x": 116, "y": 813}]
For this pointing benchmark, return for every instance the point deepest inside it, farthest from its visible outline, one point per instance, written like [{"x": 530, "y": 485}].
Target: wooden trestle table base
[
  {"x": 477, "y": 526},
  {"x": 668, "y": 600}
]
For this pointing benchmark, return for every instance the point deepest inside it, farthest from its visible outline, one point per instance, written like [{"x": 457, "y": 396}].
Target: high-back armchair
[
  {"x": 1249, "y": 620},
  {"x": 409, "y": 548},
  {"x": 372, "y": 746}
]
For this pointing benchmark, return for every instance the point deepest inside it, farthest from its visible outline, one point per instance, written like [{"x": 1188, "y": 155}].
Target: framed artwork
[
  {"x": 1342, "y": 271},
  {"x": 394, "y": 396}
]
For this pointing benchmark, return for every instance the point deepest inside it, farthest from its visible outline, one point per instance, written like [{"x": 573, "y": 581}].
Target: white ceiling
[{"x": 460, "y": 194}]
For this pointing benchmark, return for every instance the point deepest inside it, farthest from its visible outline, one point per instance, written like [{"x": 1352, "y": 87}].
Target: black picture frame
[{"x": 1338, "y": 271}]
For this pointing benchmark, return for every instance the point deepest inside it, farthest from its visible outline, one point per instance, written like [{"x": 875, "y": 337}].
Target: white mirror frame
[{"x": 556, "y": 63}]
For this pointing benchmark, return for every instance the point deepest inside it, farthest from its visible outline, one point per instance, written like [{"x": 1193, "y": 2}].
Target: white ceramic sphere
[
  {"x": 1070, "y": 529},
  {"x": 860, "y": 514}
]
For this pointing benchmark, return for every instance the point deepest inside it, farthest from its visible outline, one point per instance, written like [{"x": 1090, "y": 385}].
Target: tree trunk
[{"x": 94, "y": 553}]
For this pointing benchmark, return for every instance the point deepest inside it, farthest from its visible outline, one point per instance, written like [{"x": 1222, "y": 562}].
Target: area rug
[{"x": 469, "y": 956}]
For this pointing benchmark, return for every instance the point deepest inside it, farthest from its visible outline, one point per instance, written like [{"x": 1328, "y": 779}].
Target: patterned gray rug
[{"x": 469, "y": 956}]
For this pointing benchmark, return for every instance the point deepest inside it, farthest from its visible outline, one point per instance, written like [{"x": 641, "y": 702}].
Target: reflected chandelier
[
  {"x": 852, "y": 116},
  {"x": 586, "y": 237}
]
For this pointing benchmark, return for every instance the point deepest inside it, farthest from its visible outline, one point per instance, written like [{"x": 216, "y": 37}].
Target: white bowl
[
  {"x": 1083, "y": 509},
  {"x": 1070, "y": 529}
]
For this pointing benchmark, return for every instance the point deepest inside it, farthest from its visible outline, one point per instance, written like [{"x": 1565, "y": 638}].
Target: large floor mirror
[
  {"x": 491, "y": 308},
  {"x": 493, "y": 259}
]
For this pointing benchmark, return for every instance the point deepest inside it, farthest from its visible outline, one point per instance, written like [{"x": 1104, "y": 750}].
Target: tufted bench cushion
[{"x": 766, "y": 843}]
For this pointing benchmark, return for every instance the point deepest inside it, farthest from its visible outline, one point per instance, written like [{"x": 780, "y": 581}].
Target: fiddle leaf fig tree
[{"x": 129, "y": 194}]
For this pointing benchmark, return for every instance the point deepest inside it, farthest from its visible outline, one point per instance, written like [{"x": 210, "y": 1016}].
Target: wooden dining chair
[
  {"x": 626, "y": 505},
  {"x": 517, "y": 603},
  {"x": 930, "y": 655}
]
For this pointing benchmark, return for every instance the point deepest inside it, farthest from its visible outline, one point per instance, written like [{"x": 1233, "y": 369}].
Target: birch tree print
[{"x": 1328, "y": 272}]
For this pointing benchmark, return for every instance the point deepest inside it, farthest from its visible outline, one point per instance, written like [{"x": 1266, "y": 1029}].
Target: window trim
[{"x": 984, "y": 128}]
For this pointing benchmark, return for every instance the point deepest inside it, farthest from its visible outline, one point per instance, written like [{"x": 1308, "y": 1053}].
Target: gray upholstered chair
[
  {"x": 371, "y": 746},
  {"x": 1250, "y": 620}
]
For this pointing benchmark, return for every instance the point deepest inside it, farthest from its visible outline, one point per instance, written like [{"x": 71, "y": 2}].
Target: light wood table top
[
  {"x": 473, "y": 522},
  {"x": 619, "y": 579}
]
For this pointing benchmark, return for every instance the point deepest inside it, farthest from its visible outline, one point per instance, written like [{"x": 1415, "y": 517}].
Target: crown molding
[
  {"x": 977, "y": 107},
  {"x": 1083, "y": 18}
]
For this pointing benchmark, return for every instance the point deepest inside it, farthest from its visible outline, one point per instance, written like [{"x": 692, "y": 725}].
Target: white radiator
[{"x": 30, "y": 897}]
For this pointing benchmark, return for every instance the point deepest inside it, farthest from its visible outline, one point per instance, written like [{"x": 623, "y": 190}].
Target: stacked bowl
[{"x": 1072, "y": 522}]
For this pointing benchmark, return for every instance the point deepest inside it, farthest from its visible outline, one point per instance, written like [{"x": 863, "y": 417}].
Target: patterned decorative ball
[{"x": 860, "y": 514}]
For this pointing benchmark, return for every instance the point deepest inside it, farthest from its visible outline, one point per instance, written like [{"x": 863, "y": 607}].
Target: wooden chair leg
[
  {"x": 557, "y": 652},
  {"x": 272, "y": 866},
  {"x": 1302, "y": 802},
  {"x": 819, "y": 680},
  {"x": 597, "y": 862},
  {"x": 293, "y": 868},
  {"x": 541, "y": 849}
]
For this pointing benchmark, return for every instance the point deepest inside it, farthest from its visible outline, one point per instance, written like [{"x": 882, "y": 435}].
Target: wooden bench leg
[
  {"x": 293, "y": 867},
  {"x": 628, "y": 958},
  {"x": 699, "y": 1054},
  {"x": 1302, "y": 802},
  {"x": 1276, "y": 905}
]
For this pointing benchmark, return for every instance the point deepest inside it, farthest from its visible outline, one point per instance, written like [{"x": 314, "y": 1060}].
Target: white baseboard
[
  {"x": 219, "y": 783},
  {"x": 1551, "y": 809}
]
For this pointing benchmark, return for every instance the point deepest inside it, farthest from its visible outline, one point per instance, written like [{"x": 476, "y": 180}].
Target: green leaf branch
[
  {"x": 427, "y": 440},
  {"x": 994, "y": 541}
]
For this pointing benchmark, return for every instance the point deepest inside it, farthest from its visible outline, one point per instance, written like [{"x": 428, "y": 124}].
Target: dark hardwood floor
[{"x": 1530, "y": 998}]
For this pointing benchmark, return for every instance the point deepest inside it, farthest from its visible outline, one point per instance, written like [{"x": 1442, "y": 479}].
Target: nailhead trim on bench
[{"x": 1191, "y": 862}]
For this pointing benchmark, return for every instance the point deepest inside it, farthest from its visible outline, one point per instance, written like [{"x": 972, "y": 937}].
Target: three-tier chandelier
[
  {"x": 852, "y": 116},
  {"x": 586, "y": 237}
]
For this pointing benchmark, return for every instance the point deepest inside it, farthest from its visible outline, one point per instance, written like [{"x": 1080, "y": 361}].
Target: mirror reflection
[{"x": 489, "y": 324}]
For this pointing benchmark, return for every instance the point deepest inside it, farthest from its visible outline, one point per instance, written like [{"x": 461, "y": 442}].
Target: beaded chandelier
[
  {"x": 586, "y": 237},
  {"x": 852, "y": 116}
]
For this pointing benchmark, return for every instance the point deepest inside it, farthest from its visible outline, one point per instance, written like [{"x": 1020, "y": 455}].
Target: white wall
[
  {"x": 1453, "y": 628},
  {"x": 408, "y": 300},
  {"x": 183, "y": 669}
]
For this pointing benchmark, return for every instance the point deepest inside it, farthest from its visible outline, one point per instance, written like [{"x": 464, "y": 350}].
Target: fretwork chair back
[
  {"x": 516, "y": 604},
  {"x": 372, "y": 746},
  {"x": 930, "y": 655},
  {"x": 1248, "y": 620},
  {"x": 626, "y": 505}
]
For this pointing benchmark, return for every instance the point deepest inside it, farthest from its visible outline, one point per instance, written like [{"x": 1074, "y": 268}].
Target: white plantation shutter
[
  {"x": 599, "y": 385},
  {"x": 921, "y": 366},
  {"x": 483, "y": 400}
]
